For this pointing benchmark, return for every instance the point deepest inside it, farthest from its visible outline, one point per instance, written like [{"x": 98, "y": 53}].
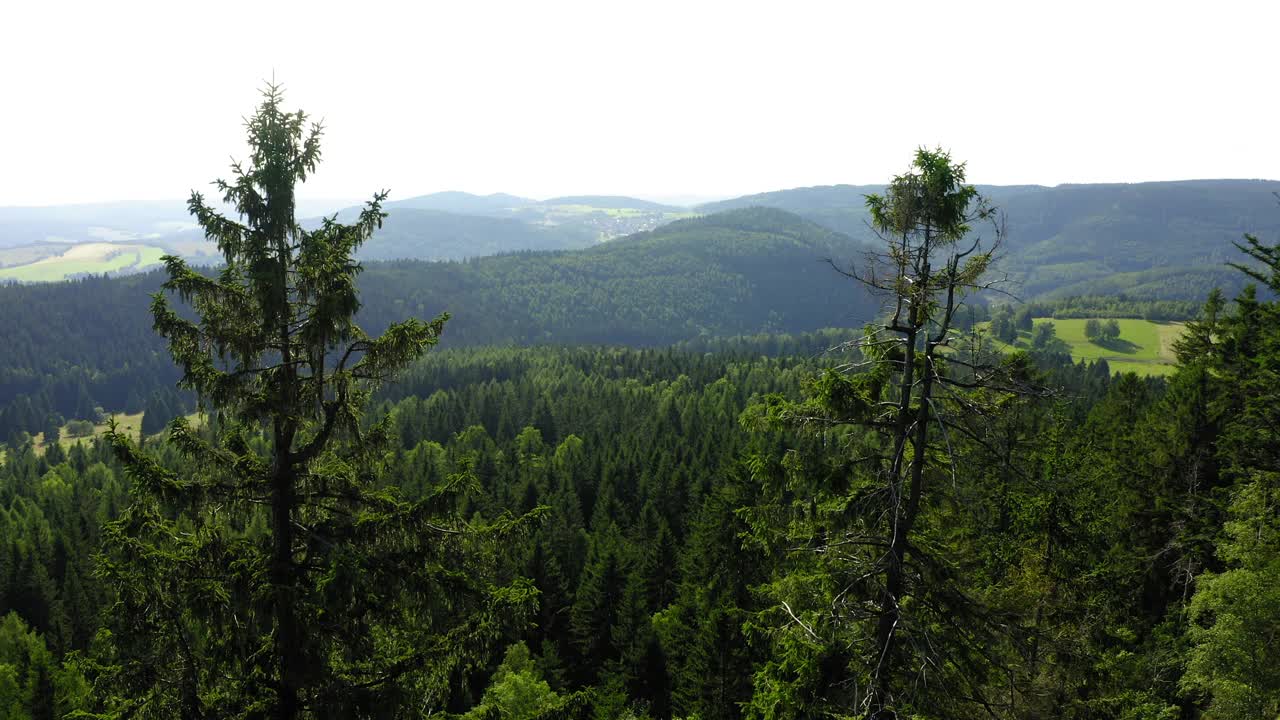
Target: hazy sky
[{"x": 124, "y": 100}]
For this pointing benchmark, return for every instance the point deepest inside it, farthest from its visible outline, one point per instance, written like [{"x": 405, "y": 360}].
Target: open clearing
[
  {"x": 86, "y": 258},
  {"x": 1145, "y": 347},
  {"x": 129, "y": 424}
]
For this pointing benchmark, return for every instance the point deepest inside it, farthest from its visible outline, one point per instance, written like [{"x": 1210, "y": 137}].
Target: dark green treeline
[{"x": 1119, "y": 536}]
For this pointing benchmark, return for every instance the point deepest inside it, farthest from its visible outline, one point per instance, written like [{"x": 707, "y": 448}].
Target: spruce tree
[
  {"x": 868, "y": 618},
  {"x": 273, "y": 573},
  {"x": 1235, "y": 612}
]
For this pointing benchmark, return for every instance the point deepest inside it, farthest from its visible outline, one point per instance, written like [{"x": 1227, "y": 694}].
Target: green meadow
[
  {"x": 1144, "y": 347},
  {"x": 129, "y": 424},
  {"x": 88, "y": 258}
]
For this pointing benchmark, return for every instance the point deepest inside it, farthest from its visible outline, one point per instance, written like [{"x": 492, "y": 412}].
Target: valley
[{"x": 924, "y": 449}]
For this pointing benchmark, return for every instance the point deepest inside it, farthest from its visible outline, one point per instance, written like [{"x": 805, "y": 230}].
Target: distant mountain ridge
[
  {"x": 612, "y": 201},
  {"x": 415, "y": 234},
  {"x": 1155, "y": 240},
  {"x": 457, "y": 225},
  {"x": 464, "y": 203}
]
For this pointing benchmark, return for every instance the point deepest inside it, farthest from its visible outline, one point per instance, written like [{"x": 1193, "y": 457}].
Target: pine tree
[
  {"x": 1235, "y": 658},
  {"x": 868, "y": 619},
  {"x": 155, "y": 414},
  {"x": 274, "y": 573}
]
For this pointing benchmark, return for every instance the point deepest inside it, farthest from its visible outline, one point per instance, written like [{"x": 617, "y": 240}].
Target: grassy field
[
  {"x": 93, "y": 258},
  {"x": 129, "y": 424},
  {"x": 1144, "y": 347}
]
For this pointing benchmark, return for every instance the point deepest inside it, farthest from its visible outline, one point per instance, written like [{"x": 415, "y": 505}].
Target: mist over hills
[
  {"x": 34, "y": 242},
  {"x": 91, "y": 222},
  {"x": 144, "y": 220}
]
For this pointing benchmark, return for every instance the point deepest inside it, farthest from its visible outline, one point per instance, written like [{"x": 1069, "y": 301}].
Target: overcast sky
[{"x": 124, "y": 100}]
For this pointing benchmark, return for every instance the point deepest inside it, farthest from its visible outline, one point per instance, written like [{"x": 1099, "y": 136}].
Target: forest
[{"x": 618, "y": 483}]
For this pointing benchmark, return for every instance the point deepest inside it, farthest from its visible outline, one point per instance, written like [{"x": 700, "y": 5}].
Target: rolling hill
[
  {"x": 439, "y": 226},
  {"x": 90, "y": 342},
  {"x": 1161, "y": 240},
  {"x": 453, "y": 201},
  {"x": 418, "y": 234},
  {"x": 619, "y": 202},
  {"x": 458, "y": 225}
]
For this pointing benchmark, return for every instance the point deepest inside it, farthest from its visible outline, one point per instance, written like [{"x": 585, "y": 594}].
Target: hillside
[
  {"x": 440, "y": 226},
  {"x": 453, "y": 201},
  {"x": 1165, "y": 240},
  {"x": 613, "y": 201},
  {"x": 458, "y": 225},
  {"x": 735, "y": 273},
  {"x": 739, "y": 272},
  {"x": 416, "y": 234}
]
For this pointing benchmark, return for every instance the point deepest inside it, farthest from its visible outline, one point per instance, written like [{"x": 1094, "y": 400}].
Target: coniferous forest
[{"x": 680, "y": 475}]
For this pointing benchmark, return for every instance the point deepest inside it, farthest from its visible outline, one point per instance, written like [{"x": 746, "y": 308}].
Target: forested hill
[
  {"x": 737, "y": 272},
  {"x": 458, "y": 226},
  {"x": 421, "y": 234},
  {"x": 1160, "y": 240},
  {"x": 87, "y": 343},
  {"x": 462, "y": 202},
  {"x": 612, "y": 201}
]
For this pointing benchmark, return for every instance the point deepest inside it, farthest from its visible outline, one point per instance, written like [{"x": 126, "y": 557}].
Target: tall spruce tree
[
  {"x": 1234, "y": 661},
  {"x": 868, "y": 618},
  {"x": 274, "y": 573}
]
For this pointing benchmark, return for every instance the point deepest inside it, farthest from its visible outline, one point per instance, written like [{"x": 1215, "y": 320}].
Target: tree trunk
[{"x": 287, "y": 646}]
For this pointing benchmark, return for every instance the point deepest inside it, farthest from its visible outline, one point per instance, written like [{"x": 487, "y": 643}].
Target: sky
[{"x": 109, "y": 101}]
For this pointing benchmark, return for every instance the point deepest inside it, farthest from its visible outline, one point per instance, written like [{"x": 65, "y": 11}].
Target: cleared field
[
  {"x": 1144, "y": 347},
  {"x": 95, "y": 258},
  {"x": 129, "y": 424}
]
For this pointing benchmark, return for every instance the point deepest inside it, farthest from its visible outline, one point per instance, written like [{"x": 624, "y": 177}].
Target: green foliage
[
  {"x": 33, "y": 684},
  {"x": 745, "y": 272},
  {"x": 1236, "y": 645},
  {"x": 79, "y": 428},
  {"x": 1101, "y": 331},
  {"x": 1236, "y": 610},
  {"x": 275, "y": 572},
  {"x": 1044, "y": 336},
  {"x": 864, "y": 614},
  {"x": 517, "y": 691},
  {"x": 1093, "y": 329},
  {"x": 892, "y": 523}
]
